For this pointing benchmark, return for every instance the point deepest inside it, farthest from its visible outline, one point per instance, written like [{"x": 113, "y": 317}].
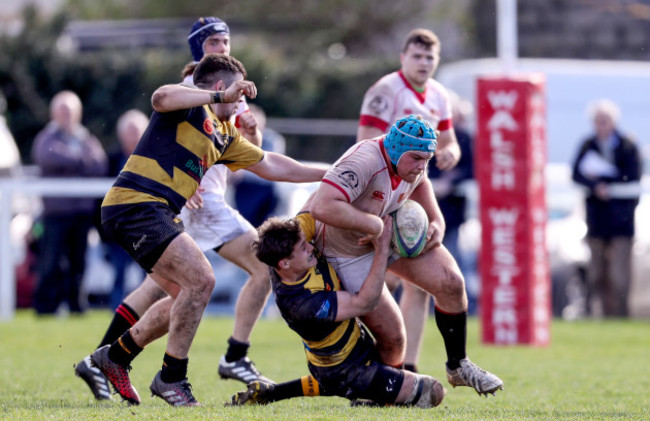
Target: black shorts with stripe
[
  {"x": 144, "y": 230},
  {"x": 367, "y": 378}
]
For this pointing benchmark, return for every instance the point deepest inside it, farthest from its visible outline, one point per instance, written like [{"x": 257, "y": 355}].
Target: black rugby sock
[
  {"x": 174, "y": 369},
  {"x": 304, "y": 386},
  {"x": 453, "y": 328},
  {"x": 123, "y": 319},
  {"x": 124, "y": 349},
  {"x": 236, "y": 350}
]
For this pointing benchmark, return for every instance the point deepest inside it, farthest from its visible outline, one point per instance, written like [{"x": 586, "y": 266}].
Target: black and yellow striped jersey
[
  {"x": 309, "y": 307},
  {"x": 173, "y": 155}
]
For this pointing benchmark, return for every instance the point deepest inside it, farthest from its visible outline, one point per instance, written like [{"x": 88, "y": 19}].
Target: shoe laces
[{"x": 186, "y": 388}]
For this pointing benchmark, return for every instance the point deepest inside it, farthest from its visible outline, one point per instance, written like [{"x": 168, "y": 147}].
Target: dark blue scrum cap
[{"x": 201, "y": 30}]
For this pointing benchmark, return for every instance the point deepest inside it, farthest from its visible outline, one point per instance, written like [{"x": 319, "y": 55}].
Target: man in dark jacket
[
  {"x": 65, "y": 148},
  {"x": 609, "y": 166}
]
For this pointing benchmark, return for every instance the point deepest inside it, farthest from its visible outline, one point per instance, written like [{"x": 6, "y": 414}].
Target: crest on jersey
[
  {"x": 208, "y": 127},
  {"x": 378, "y": 104},
  {"x": 349, "y": 179}
]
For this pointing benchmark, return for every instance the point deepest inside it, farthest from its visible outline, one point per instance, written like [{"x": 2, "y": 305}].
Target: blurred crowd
[{"x": 53, "y": 267}]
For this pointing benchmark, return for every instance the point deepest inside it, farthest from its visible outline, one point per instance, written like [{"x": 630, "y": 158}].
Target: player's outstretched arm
[
  {"x": 180, "y": 97},
  {"x": 277, "y": 167},
  {"x": 353, "y": 305}
]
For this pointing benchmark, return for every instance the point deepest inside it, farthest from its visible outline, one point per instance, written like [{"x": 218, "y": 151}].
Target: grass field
[{"x": 593, "y": 370}]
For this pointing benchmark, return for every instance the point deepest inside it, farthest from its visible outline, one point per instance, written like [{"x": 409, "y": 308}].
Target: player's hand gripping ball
[{"x": 410, "y": 225}]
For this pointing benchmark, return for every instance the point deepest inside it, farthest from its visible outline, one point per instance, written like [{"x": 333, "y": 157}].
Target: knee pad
[{"x": 427, "y": 392}]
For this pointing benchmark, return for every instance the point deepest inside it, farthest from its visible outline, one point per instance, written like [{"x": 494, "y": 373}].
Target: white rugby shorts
[
  {"x": 353, "y": 271},
  {"x": 215, "y": 223}
]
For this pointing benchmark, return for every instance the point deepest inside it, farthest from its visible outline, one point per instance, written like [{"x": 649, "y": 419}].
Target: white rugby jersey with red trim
[
  {"x": 393, "y": 97},
  {"x": 365, "y": 177}
]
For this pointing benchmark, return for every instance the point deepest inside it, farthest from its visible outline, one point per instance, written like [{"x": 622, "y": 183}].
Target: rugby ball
[{"x": 410, "y": 224}]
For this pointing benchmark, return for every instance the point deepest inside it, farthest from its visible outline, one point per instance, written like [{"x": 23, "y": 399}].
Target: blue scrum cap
[
  {"x": 201, "y": 30},
  {"x": 409, "y": 134}
]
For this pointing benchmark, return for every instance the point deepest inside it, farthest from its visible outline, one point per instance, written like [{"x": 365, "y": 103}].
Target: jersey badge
[
  {"x": 208, "y": 126},
  {"x": 349, "y": 179},
  {"x": 378, "y": 104},
  {"x": 378, "y": 195},
  {"x": 323, "y": 310}
]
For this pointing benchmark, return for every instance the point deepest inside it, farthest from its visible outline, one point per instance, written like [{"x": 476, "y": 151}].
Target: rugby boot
[
  {"x": 243, "y": 370},
  {"x": 256, "y": 393},
  {"x": 469, "y": 374},
  {"x": 95, "y": 379},
  {"x": 175, "y": 394},
  {"x": 116, "y": 374}
]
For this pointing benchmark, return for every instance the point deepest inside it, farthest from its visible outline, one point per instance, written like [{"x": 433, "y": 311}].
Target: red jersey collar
[
  {"x": 421, "y": 96},
  {"x": 394, "y": 178}
]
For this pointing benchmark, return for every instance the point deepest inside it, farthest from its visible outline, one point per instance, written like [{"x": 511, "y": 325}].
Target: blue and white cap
[
  {"x": 409, "y": 134},
  {"x": 201, "y": 30}
]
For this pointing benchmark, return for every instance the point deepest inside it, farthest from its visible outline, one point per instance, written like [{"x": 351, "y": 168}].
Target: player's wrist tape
[{"x": 218, "y": 97}]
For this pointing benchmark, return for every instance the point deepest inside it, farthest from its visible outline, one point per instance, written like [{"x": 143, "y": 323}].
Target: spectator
[
  {"x": 449, "y": 193},
  {"x": 130, "y": 127},
  {"x": 65, "y": 148},
  {"x": 9, "y": 155},
  {"x": 255, "y": 197},
  {"x": 607, "y": 164}
]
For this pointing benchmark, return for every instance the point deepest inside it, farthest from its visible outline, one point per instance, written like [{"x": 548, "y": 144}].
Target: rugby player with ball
[{"x": 372, "y": 179}]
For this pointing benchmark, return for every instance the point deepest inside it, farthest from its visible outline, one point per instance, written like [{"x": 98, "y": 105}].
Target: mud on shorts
[
  {"x": 144, "y": 230},
  {"x": 372, "y": 380},
  {"x": 215, "y": 224}
]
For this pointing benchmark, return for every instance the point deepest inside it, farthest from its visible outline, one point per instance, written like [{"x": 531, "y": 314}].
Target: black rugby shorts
[{"x": 144, "y": 230}]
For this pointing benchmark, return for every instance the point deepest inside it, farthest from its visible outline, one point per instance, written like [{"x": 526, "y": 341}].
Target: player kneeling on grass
[{"x": 341, "y": 355}]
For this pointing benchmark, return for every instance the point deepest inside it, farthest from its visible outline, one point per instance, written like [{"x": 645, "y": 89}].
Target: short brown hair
[
  {"x": 277, "y": 239},
  {"x": 422, "y": 36},
  {"x": 188, "y": 70},
  {"x": 214, "y": 67}
]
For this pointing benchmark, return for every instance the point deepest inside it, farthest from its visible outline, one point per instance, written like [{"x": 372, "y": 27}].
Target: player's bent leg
[
  {"x": 256, "y": 290},
  {"x": 154, "y": 323},
  {"x": 248, "y": 309},
  {"x": 421, "y": 391},
  {"x": 437, "y": 273},
  {"x": 185, "y": 264},
  {"x": 414, "y": 305},
  {"x": 125, "y": 316},
  {"x": 145, "y": 295},
  {"x": 387, "y": 326}
]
